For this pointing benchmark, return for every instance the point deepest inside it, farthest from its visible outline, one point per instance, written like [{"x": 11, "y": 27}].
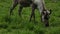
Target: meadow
[{"x": 15, "y": 24}]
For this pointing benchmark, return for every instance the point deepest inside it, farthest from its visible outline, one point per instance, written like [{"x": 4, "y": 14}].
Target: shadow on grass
[
  {"x": 39, "y": 32},
  {"x": 7, "y": 19},
  {"x": 3, "y": 26}
]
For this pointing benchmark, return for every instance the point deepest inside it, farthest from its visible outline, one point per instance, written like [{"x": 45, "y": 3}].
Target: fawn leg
[
  {"x": 13, "y": 6},
  {"x": 20, "y": 10},
  {"x": 32, "y": 13}
]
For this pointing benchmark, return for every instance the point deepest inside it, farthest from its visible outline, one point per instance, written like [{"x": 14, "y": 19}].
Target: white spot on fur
[
  {"x": 39, "y": 4},
  {"x": 43, "y": 18},
  {"x": 48, "y": 12}
]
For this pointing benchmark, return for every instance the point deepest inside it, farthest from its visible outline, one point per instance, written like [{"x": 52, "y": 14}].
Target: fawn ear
[{"x": 50, "y": 11}]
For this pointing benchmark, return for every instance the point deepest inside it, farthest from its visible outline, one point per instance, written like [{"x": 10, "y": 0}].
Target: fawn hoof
[
  {"x": 11, "y": 13},
  {"x": 47, "y": 25},
  {"x": 30, "y": 20}
]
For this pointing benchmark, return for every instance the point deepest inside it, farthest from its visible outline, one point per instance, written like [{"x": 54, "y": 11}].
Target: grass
[{"x": 21, "y": 25}]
